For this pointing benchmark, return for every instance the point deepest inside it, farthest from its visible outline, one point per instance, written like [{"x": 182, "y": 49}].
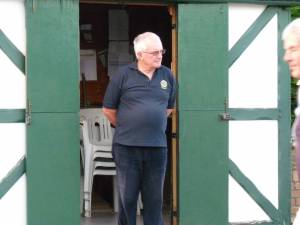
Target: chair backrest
[
  {"x": 101, "y": 131},
  {"x": 84, "y": 127},
  {"x": 90, "y": 112},
  {"x": 96, "y": 131}
]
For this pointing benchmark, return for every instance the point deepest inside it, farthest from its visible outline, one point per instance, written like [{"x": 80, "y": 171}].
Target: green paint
[
  {"x": 53, "y": 173},
  {"x": 12, "y": 115},
  {"x": 202, "y": 43},
  {"x": 252, "y": 191},
  {"x": 254, "y": 114},
  {"x": 12, "y": 52},
  {"x": 203, "y": 168},
  {"x": 264, "y": 2},
  {"x": 250, "y": 34},
  {"x": 53, "y": 166},
  {"x": 203, "y": 138},
  {"x": 12, "y": 177},
  {"x": 284, "y": 105},
  {"x": 256, "y": 223},
  {"x": 53, "y": 55}
]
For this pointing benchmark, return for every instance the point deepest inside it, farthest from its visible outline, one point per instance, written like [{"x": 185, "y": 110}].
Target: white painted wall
[
  {"x": 253, "y": 77},
  {"x": 248, "y": 79},
  {"x": 253, "y": 146},
  {"x": 253, "y": 83},
  {"x": 12, "y": 96},
  {"x": 12, "y": 81}
]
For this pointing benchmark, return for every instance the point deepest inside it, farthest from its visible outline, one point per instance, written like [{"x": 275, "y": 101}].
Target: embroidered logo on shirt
[{"x": 164, "y": 84}]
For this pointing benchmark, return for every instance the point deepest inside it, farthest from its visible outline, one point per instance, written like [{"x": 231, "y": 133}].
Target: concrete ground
[
  {"x": 103, "y": 213},
  {"x": 110, "y": 218},
  {"x": 104, "y": 218}
]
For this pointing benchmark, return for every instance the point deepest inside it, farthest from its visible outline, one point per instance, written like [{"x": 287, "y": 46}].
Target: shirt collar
[{"x": 134, "y": 66}]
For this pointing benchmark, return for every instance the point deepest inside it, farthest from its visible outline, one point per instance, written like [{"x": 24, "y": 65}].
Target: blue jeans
[{"x": 140, "y": 169}]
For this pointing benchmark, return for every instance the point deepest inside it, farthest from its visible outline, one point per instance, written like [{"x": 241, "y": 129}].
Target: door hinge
[
  {"x": 28, "y": 113},
  {"x": 175, "y": 214},
  {"x": 174, "y": 135}
]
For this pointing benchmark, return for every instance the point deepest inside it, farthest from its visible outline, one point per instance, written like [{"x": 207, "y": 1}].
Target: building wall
[{"x": 252, "y": 84}]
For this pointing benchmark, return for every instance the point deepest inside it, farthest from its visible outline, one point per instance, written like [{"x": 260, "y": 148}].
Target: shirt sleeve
[
  {"x": 172, "y": 98},
  {"x": 113, "y": 91}
]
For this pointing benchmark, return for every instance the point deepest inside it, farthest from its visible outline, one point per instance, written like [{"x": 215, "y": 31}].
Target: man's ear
[{"x": 138, "y": 55}]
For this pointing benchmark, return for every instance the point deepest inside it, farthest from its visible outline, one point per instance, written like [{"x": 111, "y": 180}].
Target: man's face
[
  {"x": 151, "y": 57},
  {"x": 292, "y": 55}
]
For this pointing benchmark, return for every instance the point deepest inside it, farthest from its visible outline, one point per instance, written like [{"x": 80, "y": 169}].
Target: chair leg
[
  {"x": 139, "y": 205},
  {"x": 116, "y": 194},
  {"x": 87, "y": 208},
  {"x": 88, "y": 213},
  {"x": 140, "y": 202},
  {"x": 88, "y": 182},
  {"x": 88, "y": 197},
  {"x": 81, "y": 195}
]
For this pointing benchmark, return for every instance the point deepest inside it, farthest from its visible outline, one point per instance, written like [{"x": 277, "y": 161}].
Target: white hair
[
  {"x": 293, "y": 28},
  {"x": 139, "y": 41}
]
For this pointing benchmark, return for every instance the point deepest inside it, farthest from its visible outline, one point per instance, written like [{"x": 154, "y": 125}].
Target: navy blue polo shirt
[{"x": 141, "y": 105}]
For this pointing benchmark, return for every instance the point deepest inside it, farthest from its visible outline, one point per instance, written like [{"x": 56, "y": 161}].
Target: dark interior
[{"x": 141, "y": 19}]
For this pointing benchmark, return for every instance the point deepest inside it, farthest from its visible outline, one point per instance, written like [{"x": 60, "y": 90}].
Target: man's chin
[{"x": 295, "y": 74}]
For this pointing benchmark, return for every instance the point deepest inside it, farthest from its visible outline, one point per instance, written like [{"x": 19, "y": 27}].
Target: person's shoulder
[
  {"x": 165, "y": 69},
  {"x": 123, "y": 71},
  {"x": 127, "y": 67},
  {"x": 166, "y": 72}
]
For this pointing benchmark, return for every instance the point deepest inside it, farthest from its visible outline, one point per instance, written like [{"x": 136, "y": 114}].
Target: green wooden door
[
  {"x": 202, "y": 77},
  {"x": 205, "y": 140},
  {"x": 53, "y": 103}
]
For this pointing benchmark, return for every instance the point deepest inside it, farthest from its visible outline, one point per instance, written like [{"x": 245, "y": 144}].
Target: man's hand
[{"x": 111, "y": 115}]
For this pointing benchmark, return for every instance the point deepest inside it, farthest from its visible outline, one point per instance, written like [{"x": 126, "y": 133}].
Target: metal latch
[
  {"x": 225, "y": 116},
  {"x": 28, "y": 113}
]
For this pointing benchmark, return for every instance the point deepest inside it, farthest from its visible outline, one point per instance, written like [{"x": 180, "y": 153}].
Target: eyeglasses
[{"x": 156, "y": 53}]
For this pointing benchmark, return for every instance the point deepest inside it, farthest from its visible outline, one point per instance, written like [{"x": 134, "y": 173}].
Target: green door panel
[
  {"x": 53, "y": 173},
  {"x": 52, "y": 68},
  {"x": 203, "y": 168},
  {"x": 202, "y": 50},
  {"x": 203, "y": 137},
  {"x": 53, "y": 55}
]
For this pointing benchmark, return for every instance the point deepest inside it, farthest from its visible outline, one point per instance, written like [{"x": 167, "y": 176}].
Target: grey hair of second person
[
  {"x": 139, "y": 41},
  {"x": 293, "y": 28}
]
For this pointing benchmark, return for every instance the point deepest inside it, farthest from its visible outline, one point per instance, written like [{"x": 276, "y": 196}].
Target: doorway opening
[{"x": 106, "y": 36}]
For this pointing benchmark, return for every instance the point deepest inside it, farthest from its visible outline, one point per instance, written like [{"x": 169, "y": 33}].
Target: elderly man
[
  {"x": 291, "y": 40},
  {"x": 137, "y": 101}
]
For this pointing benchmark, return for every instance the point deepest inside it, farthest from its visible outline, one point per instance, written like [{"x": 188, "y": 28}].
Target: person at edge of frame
[
  {"x": 291, "y": 44},
  {"x": 138, "y": 101}
]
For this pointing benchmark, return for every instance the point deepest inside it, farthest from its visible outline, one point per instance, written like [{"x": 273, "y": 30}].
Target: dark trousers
[{"x": 140, "y": 169}]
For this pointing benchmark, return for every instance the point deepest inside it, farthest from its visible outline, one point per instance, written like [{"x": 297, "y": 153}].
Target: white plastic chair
[
  {"x": 98, "y": 157},
  {"x": 97, "y": 142}
]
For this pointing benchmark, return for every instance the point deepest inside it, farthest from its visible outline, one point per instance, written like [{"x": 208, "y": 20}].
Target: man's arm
[{"x": 111, "y": 115}]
